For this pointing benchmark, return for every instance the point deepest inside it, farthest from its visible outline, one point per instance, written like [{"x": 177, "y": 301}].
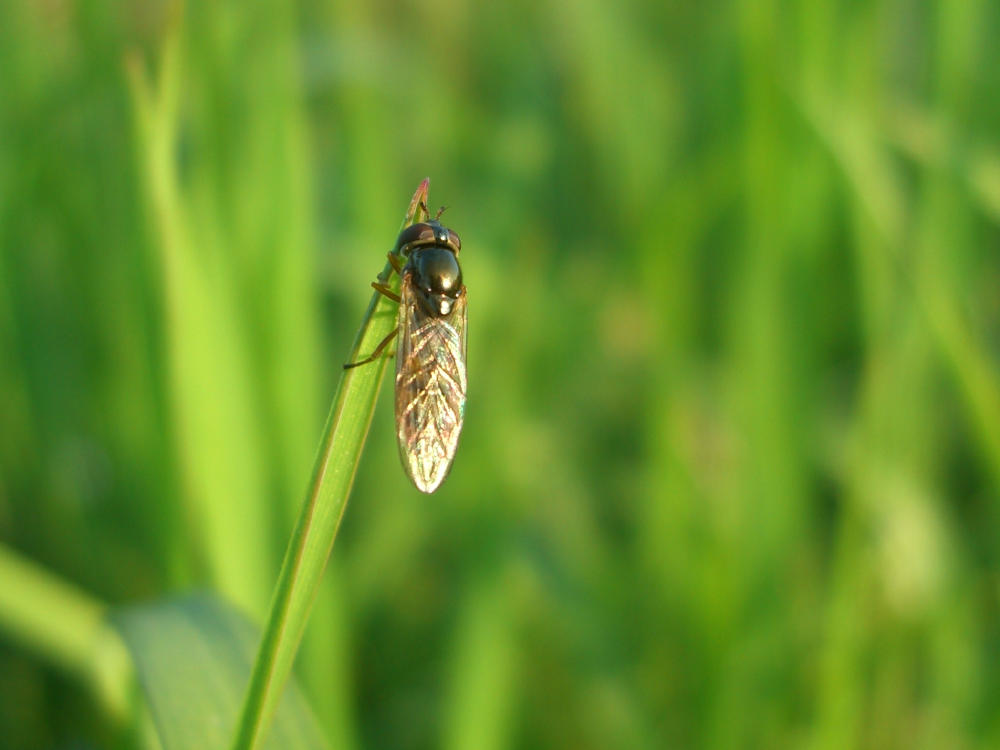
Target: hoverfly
[{"x": 430, "y": 353}]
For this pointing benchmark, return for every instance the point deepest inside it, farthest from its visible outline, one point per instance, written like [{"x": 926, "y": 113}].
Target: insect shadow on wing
[{"x": 430, "y": 350}]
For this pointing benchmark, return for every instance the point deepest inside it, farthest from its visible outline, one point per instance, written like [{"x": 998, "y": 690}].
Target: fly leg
[
  {"x": 378, "y": 350},
  {"x": 386, "y": 291},
  {"x": 380, "y": 286},
  {"x": 397, "y": 264}
]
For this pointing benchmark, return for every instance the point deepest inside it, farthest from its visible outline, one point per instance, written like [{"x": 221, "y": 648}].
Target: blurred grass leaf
[
  {"x": 214, "y": 408},
  {"x": 192, "y": 658}
]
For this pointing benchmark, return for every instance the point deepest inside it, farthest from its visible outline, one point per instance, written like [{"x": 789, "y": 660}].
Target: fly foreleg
[{"x": 396, "y": 262}]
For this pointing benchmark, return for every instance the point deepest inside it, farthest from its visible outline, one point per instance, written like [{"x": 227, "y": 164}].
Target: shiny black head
[
  {"x": 433, "y": 265},
  {"x": 424, "y": 234}
]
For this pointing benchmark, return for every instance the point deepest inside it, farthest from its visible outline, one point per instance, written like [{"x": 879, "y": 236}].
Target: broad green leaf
[{"x": 192, "y": 658}]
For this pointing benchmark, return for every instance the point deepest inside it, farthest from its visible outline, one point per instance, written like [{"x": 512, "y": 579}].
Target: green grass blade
[
  {"x": 343, "y": 439},
  {"x": 213, "y": 379},
  {"x": 65, "y": 626},
  {"x": 483, "y": 672},
  {"x": 192, "y": 658},
  {"x": 46, "y": 614}
]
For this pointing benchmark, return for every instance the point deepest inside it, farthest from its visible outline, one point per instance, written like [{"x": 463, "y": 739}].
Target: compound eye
[
  {"x": 416, "y": 234},
  {"x": 454, "y": 241}
]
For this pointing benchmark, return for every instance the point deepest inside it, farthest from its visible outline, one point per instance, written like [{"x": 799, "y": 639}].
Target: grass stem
[{"x": 311, "y": 542}]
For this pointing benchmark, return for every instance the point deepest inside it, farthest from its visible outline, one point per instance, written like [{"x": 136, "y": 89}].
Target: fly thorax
[{"x": 438, "y": 279}]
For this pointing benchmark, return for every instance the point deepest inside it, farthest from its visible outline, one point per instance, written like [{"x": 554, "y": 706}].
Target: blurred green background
[{"x": 730, "y": 475}]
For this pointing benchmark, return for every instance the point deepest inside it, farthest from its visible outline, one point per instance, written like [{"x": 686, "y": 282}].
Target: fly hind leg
[{"x": 378, "y": 350}]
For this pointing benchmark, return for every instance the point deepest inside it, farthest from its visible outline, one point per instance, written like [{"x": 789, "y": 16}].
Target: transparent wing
[{"x": 430, "y": 388}]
